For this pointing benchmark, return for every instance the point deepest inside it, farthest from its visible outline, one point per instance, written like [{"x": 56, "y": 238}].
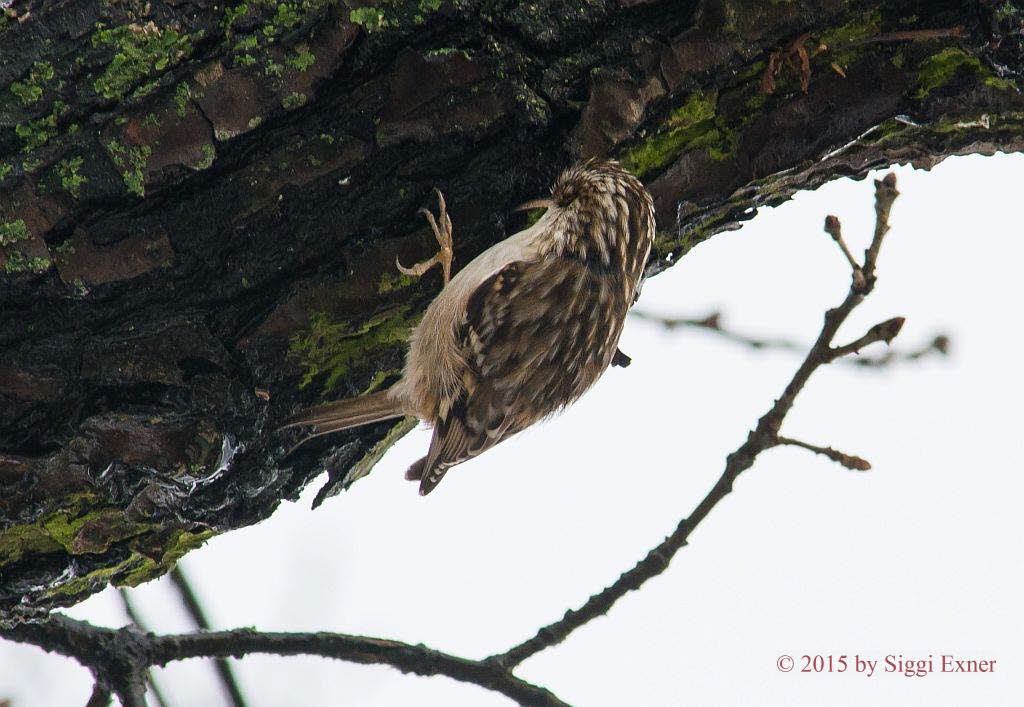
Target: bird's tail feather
[
  {"x": 428, "y": 482},
  {"x": 344, "y": 414}
]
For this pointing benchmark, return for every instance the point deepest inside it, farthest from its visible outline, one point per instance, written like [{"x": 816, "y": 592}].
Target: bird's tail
[{"x": 344, "y": 414}]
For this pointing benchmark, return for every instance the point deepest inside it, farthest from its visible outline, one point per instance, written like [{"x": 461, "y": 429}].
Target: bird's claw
[{"x": 442, "y": 228}]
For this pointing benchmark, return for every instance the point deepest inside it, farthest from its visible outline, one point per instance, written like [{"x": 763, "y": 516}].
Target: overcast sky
[{"x": 919, "y": 557}]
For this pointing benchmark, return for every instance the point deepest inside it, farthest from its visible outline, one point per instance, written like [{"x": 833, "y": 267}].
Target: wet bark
[{"x": 201, "y": 206}]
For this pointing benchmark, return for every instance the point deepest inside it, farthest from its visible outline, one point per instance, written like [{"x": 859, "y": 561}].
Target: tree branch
[
  {"x": 100, "y": 696},
  {"x": 133, "y": 616},
  {"x": 119, "y": 656},
  {"x": 765, "y": 435},
  {"x": 195, "y": 610},
  {"x": 939, "y": 344},
  {"x": 850, "y": 461},
  {"x": 419, "y": 659}
]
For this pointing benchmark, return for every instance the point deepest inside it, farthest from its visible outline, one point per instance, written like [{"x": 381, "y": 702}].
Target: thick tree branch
[
  {"x": 100, "y": 696},
  {"x": 765, "y": 435},
  {"x": 119, "y": 656},
  {"x": 407, "y": 658}
]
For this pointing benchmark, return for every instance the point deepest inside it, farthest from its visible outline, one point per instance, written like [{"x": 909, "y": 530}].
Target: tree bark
[{"x": 201, "y": 206}]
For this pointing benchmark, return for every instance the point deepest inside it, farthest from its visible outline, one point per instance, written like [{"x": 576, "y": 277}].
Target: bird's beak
[{"x": 535, "y": 204}]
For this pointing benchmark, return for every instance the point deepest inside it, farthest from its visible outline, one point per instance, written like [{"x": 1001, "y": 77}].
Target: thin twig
[
  {"x": 850, "y": 461},
  {"x": 885, "y": 195},
  {"x": 195, "y": 610},
  {"x": 765, "y": 435},
  {"x": 885, "y": 331},
  {"x": 835, "y": 229},
  {"x": 939, "y": 344},
  {"x": 129, "y": 608}
]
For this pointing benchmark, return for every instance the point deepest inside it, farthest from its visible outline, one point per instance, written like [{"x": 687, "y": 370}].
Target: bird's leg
[{"x": 442, "y": 228}]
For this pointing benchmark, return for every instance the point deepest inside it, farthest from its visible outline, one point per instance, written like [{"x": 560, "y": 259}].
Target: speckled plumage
[{"x": 524, "y": 329}]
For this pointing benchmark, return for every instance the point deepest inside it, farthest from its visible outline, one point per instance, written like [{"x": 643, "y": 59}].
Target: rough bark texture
[{"x": 201, "y": 205}]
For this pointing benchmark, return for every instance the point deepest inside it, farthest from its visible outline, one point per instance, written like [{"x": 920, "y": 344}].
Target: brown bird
[{"x": 523, "y": 330}]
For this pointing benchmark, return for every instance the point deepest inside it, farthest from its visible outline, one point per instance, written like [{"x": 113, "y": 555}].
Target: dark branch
[
  {"x": 133, "y": 616},
  {"x": 195, "y": 610},
  {"x": 100, "y": 696},
  {"x": 764, "y": 436},
  {"x": 119, "y": 656},
  {"x": 129, "y": 609},
  {"x": 850, "y": 461},
  {"x": 885, "y": 331},
  {"x": 835, "y": 229},
  {"x": 419, "y": 659}
]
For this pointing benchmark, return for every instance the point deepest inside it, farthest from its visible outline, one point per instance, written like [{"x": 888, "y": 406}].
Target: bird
[{"x": 520, "y": 332}]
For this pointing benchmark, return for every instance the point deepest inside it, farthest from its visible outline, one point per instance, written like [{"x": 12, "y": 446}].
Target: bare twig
[
  {"x": 885, "y": 331},
  {"x": 939, "y": 344},
  {"x": 119, "y": 656},
  {"x": 129, "y": 609},
  {"x": 765, "y": 435},
  {"x": 195, "y": 610},
  {"x": 835, "y": 229},
  {"x": 713, "y": 323},
  {"x": 848, "y": 460}
]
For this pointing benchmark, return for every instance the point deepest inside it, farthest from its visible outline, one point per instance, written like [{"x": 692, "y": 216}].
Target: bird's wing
[{"x": 480, "y": 414}]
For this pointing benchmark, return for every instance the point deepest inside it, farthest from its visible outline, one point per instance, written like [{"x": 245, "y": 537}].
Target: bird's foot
[{"x": 442, "y": 228}]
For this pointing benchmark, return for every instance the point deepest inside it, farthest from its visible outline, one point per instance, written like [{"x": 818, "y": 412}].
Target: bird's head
[
  {"x": 581, "y": 184},
  {"x": 597, "y": 212}
]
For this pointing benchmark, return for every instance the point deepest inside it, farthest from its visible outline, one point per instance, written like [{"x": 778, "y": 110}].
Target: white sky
[{"x": 921, "y": 556}]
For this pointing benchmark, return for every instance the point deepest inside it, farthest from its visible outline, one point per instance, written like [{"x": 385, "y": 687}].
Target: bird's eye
[{"x": 566, "y": 196}]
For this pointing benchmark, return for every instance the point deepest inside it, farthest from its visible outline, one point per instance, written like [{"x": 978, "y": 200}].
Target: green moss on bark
[
  {"x": 130, "y": 162},
  {"x": 329, "y": 349},
  {"x": 30, "y": 90},
  {"x": 141, "y": 51},
  {"x": 939, "y": 69},
  {"x": 688, "y": 127}
]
